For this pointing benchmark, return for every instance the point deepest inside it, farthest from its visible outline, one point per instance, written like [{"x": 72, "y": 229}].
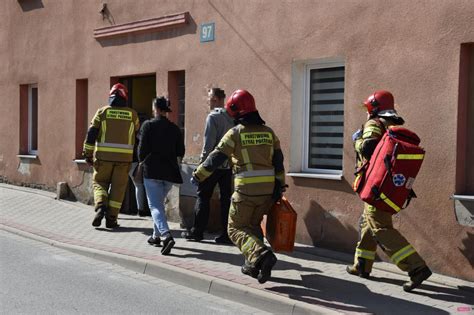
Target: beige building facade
[{"x": 309, "y": 65}]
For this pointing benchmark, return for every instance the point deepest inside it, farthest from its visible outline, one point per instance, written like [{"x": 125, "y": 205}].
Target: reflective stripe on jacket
[{"x": 117, "y": 128}]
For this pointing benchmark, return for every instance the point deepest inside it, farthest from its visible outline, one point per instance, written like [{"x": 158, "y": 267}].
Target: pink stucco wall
[{"x": 411, "y": 48}]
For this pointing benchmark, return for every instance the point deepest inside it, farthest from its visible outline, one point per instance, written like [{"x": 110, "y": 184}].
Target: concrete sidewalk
[{"x": 307, "y": 281}]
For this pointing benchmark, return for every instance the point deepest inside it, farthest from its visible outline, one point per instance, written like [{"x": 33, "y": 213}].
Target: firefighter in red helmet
[
  {"x": 109, "y": 149},
  {"x": 257, "y": 164},
  {"x": 376, "y": 225}
]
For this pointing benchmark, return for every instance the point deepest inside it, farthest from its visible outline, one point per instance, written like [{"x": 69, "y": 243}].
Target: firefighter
[
  {"x": 376, "y": 225},
  {"x": 257, "y": 164},
  {"x": 109, "y": 149}
]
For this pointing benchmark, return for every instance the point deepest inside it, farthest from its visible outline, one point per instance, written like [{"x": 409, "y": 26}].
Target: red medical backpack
[{"x": 386, "y": 180}]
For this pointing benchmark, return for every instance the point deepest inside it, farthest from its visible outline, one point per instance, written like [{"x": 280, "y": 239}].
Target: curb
[
  {"x": 218, "y": 287},
  {"x": 35, "y": 191}
]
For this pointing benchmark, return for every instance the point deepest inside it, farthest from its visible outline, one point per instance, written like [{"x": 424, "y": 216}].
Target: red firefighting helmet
[
  {"x": 120, "y": 89},
  {"x": 380, "y": 102},
  {"x": 241, "y": 102}
]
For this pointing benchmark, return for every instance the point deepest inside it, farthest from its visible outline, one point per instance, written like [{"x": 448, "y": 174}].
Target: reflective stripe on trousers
[
  {"x": 402, "y": 254},
  {"x": 367, "y": 254}
]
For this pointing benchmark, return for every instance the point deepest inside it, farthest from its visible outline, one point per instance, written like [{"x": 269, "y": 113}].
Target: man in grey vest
[{"x": 218, "y": 122}]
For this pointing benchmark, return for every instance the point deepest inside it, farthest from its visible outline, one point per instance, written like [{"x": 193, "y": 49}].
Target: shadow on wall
[
  {"x": 191, "y": 28},
  {"x": 327, "y": 231},
  {"x": 324, "y": 225},
  {"x": 81, "y": 188},
  {"x": 330, "y": 185},
  {"x": 467, "y": 251},
  {"x": 28, "y": 5}
]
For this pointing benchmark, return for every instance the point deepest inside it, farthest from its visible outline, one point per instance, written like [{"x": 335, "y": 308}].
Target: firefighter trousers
[
  {"x": 377, "y": 229},
  {"x": 245, "y": 215},
  {"x": 109, "y": 183}
]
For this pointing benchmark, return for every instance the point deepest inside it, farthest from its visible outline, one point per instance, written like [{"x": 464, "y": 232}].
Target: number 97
[{"x": 206, "y": 31}]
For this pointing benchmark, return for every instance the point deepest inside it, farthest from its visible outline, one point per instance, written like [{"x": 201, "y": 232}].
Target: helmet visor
[{"x": 388, "y": 113}]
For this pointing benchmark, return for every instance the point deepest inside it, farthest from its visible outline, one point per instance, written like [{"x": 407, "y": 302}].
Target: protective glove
[
  {"x": 357, "y": 135},
  {"x": 89, "y": 161},
  {"x": 194, "y": 181},
  {"x": 278, "y": 190}
]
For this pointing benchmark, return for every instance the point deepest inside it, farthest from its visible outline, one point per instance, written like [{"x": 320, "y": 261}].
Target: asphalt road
[{"x": 36, "y": 278}]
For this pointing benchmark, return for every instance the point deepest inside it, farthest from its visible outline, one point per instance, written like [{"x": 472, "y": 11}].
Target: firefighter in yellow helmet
[
  {"x": 376, "y": 225},
  {"x": 257, "y": 164},
  {"x": 109, "y": 149}
]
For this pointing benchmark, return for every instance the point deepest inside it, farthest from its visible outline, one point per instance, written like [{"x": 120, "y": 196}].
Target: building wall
[{"x": 411, "y": 48}]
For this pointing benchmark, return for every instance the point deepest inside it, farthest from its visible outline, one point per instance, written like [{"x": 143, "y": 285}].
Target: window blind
[{"x": 326, "y": 124}]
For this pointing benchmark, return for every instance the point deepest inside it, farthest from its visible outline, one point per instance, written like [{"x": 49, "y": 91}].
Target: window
[
  {"x": 465, "y": 134},
  {"x": 33, "y": 119},
  {"x": 464, "y": 196},
  {"x": 181, "y": 96},
  {"x": 176, "y": 89},
  {"x": 324, "y": 122},
  {"x": 81, "y": 115},
  {"x": 28, "y": 119}
]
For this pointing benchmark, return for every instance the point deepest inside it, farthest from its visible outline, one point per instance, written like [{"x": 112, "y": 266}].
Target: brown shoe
[
  {"x": 416, "y": 278},
  {"x": 223, "y": 239},
  {"x": 192, "y": 235}
]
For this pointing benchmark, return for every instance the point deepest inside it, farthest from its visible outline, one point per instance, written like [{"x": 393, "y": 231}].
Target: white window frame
[
  {"x": 30, "y": 119},
  {"x": 307, "y": 109},
  {"x": 301, "y": 73}
]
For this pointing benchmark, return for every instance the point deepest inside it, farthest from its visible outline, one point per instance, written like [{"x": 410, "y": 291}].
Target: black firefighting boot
[
  {"x": 100, "y": 213},
  {"x": 249, "y": 270},
  {"x": 358, "y": 270},
  {"x": 265, "y": 263},
  {"x": 111, "y": 222},
  {"x": 417, "y": 276}
]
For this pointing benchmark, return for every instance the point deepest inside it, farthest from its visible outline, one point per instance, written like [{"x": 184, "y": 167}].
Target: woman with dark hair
[{"x": 161, "y": 144}]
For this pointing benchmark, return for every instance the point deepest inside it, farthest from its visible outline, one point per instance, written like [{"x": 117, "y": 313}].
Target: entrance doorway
[{"x": 141, "y": 92}]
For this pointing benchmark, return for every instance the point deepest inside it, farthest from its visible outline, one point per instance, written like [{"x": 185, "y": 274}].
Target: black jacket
[{"x": 163, "y": 140}]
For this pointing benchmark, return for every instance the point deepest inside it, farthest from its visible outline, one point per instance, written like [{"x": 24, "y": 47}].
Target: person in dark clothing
[
  {"x": 140, "y": 194},
  {"x": 161, "y": 144},
  {"x": 218, "y": 122}
]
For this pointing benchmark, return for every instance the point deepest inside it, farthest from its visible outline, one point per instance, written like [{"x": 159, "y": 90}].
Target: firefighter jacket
[
  {"x": 256, "y": 158},
  {"x": 111, "y": 135},
  {"x": 371, "y": 133}
]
